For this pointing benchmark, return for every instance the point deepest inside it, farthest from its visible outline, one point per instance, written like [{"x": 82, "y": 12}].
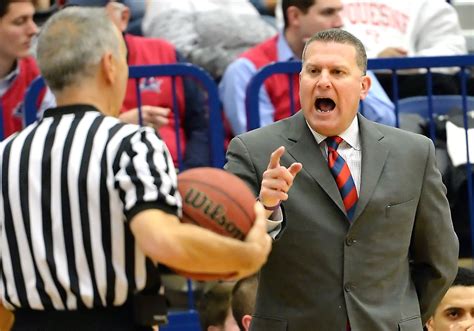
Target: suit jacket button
[{"x": 350, "y": 241}]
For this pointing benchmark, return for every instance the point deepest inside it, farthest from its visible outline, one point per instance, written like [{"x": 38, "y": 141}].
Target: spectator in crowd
[
  {"x": 96, "y": 206},
  {"x": 243, "y": 301},
  {"x": 302, "y": 19},
  {"x": 367, "y": 239},
  {"x": 390, "y": 28},
  {"x": 44, "y": 9},
  {"x": 17, "y": 67},
  {"x": 156, "y": 93},
  {"x": 137, "y": 11},
  {"x": 42, "y": 4},
  {"x": 214, "y": 309},
  {"x": 266, "y": 8},
  {"x": 209, "y": 33},
  {"x": 456, "y": 311}
]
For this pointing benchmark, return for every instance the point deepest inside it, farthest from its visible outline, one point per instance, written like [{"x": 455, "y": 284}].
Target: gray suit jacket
[{"x": 386, "y": 271}]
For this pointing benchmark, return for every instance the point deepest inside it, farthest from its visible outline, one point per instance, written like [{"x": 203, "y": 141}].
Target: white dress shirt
[{"x": 349, "y": 149}]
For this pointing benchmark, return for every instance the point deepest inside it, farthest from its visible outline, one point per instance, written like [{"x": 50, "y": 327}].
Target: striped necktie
[{"x": 342, "y": 174}]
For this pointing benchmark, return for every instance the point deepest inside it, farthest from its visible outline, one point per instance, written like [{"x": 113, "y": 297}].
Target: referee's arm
[
  {"x": 190, "y": 248},
  {"x": 146, "y": 180}
]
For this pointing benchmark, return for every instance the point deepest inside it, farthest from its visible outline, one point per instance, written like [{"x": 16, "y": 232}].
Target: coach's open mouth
[{"x": 324, "y": 105}]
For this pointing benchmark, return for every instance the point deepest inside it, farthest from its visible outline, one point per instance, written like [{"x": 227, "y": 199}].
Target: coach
[{"x": 368, "y": 243}]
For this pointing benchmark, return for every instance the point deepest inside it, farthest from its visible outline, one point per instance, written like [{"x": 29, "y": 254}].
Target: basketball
[{"x": 218, "y": 201}]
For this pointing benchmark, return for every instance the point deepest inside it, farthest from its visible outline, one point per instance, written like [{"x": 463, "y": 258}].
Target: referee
[{"x": 89, "y": 205}]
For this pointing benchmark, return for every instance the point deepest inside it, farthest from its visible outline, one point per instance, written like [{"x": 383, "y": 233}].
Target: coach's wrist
[{"x": 269, "y": 208}]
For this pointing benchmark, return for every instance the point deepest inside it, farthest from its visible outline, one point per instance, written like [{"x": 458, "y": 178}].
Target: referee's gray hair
[{"x": 72, "y": 43}]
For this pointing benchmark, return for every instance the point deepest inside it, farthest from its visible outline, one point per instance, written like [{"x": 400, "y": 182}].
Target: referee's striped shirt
[{"x": 69, "y": 186}]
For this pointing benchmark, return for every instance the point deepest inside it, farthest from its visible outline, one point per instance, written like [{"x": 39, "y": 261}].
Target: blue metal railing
[
  {"x": 216, "y": 127},
  {"x": 253, "y": 88},
  {"x": 394, "y": 64}
]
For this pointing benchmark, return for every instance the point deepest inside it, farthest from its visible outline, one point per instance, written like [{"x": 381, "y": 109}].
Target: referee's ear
[{"x": 108, "y": 67}]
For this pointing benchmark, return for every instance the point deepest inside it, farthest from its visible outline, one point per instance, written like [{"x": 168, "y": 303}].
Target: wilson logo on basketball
[{"x": 215, "y": 211}]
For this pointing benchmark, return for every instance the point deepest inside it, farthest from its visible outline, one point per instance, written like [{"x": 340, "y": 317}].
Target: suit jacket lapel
[
  {"x": 305, "y": 149},
  {"x": 374, "y": 155}
]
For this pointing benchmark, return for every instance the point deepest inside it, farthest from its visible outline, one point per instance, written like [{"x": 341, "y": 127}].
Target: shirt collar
[
  {"x": 350, "y": 135},
  {"x": 284, "y": 51},
  {"x": 70, "y": 109},
  {"x": 6, "y": 81},
  {"x": 11, "y": 76}
]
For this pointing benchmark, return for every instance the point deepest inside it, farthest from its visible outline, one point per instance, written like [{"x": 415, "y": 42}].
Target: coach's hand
[
  {"x": 277, "y": 180},
  {"x": 467, "y": 325}
]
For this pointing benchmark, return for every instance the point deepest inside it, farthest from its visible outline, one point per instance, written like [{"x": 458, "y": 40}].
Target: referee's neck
[{"x": 96, "y": 97}]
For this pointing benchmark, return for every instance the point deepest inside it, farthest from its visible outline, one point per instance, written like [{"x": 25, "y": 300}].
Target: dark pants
[
  {"x": 116, "y": 319},
  {"x": 415, "y": 84}
]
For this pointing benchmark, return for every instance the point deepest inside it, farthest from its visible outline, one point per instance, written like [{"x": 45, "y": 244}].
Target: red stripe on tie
[
  {"x": 343, "y": 176},
  {"x": 351, "y": 199}
]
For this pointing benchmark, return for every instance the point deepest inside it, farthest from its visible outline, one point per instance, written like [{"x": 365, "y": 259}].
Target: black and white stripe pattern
[{"x": 66, "y": 184}]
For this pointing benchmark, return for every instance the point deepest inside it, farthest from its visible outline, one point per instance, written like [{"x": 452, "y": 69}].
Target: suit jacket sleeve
[
  {"x": 250, "y": 170},
  {"x": 239, "y": 163},
  {"x": 434, "y": 247}
]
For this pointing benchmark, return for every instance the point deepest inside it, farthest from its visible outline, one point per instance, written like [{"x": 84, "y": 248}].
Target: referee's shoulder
[{"x": 132, "y": 133}]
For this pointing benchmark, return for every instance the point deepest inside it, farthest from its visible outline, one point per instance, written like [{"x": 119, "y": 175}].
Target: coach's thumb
[{"x": 295, "y": 168}]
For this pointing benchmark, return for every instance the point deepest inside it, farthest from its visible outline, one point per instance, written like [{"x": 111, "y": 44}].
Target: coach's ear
[
  {"x": 365, "y": 84},
  {"x": 246, "y": 320},
  {"x": 429, "y": 325}
]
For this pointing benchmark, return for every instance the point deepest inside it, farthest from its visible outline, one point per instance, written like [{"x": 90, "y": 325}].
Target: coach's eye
[{"x": 453, "y": 314}]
